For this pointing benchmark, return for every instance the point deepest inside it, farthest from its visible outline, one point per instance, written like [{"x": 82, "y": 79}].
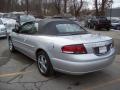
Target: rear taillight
[{"x": 74, "y": 49}]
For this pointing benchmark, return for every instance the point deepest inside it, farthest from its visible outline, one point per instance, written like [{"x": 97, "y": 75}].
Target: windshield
[{"x": 26, "y": 18}]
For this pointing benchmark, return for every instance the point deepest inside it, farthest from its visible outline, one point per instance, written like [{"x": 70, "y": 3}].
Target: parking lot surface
[{"x": 18, "y": 72}]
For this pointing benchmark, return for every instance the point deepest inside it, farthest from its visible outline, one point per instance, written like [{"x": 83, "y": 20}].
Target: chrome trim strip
[{"x": 24, "y": 43}]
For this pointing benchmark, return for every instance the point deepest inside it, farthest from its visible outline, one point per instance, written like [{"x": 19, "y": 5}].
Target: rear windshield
[{"x": 68, "y": 28}]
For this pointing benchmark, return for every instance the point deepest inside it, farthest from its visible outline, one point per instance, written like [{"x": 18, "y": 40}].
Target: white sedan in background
[
  {"x": 115, "y": 23},
  {"x": 2, "y": 29},
  {"x": 9, "y": 24}
]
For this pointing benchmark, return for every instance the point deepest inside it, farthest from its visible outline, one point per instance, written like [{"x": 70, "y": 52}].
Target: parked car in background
[
  {"x": 62, "y": 45},
  {"x": 9, "y": 24},
  {"x": 24, "y": 19},
  {"x": 2, "y": 29},
  {"x": 13, "y": 15},
  {"x": 21, "y": 19},
  {"x": 10, "y": 20},
  {"x": 98, "y": 22},
  {"x": 115, "y": 24},
  {"x": 9, "y": 16},
  {"x": 1, "y": 15}
]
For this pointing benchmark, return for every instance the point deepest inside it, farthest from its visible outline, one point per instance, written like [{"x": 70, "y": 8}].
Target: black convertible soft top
[
  {"x": 48, "y": 26},
  {"x": 44, "y": 22}
]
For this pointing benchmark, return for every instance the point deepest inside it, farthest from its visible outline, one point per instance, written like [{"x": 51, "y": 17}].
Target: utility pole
[{"x": 111, "y": 2}]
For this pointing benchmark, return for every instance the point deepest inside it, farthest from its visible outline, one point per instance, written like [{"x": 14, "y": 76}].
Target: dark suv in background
[{"x": 98, "y": 22}]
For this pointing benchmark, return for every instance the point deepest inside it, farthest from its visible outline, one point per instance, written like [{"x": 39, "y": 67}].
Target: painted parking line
[
  {"x": 3, "y": 57},
  {"x": 103, "y": 84},
  {"x": 13, "y": 74}
]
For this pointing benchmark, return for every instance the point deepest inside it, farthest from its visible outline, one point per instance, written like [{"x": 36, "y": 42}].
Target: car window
[
  {"x": 28, "y": 28},
  {"x": 26, "y": 18},
  {"x": 63, "y": 28}
]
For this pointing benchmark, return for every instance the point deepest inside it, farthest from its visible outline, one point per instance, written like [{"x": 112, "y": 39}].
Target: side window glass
[{"x": 28, "y": 28}]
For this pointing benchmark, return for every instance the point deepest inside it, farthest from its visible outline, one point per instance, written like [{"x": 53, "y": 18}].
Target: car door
[
  {"x": 26, "y": 38},
  {"x": 18, "y": 40}
]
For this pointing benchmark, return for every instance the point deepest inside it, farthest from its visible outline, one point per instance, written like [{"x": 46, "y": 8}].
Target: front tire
[
  {"x": 44, "y": 64},
  {"x": 11, "y": 46}
]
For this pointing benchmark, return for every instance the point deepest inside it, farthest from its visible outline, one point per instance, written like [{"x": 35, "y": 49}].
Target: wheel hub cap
[{"x": 42, "y": 63}]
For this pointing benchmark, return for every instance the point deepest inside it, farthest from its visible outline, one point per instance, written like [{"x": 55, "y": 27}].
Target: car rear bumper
[
  {"x": 103, "y": 26},
  {"x": 81, "y": 67}
]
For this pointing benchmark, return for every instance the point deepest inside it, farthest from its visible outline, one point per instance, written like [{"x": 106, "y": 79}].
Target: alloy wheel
[
  {"x": 10, "y": 45},
  {"x": 42, "y": 63}
]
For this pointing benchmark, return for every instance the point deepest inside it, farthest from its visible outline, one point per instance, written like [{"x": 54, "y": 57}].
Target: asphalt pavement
[{"x": 18, "y": 72}]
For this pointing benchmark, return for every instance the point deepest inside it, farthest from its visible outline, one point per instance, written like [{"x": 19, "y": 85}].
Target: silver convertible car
[{"x": 62, "y": 45}]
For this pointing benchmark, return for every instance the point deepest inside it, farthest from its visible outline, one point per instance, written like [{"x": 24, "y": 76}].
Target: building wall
[{"x": 115, "y": 12}]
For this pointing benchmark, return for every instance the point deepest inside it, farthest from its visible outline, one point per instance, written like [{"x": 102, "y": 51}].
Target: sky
[{"x": 116, "y": 3}]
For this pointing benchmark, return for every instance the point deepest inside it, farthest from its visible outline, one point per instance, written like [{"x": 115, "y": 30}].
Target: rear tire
[{"x": 44, "y": 64}]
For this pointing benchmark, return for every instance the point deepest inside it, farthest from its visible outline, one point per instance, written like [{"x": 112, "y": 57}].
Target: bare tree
[
  {"x": 77, "y": 6},
  {"x": 57, "y": 5},
  {"x": 40, "y": 7},
  {"x": 101, "y": 6},
  {"x": 3, "y": 4},
  {"x": 96, "y": 8},
  {"x": 65, "y": 2}
]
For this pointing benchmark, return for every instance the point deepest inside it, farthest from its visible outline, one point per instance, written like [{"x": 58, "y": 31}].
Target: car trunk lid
[
  {"x": 87, "y": 38},
  {"x": 96, "y": 44}
]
